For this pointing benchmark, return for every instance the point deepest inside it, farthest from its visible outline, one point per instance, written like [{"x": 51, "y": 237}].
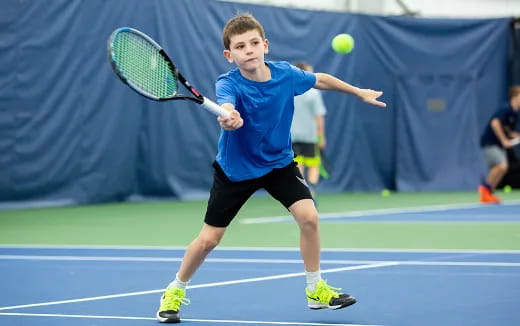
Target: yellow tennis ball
[
  {"x": 507, "y": 188},
  {"x": 342, "y": 43},
  {"x": 385, "y": 193}
]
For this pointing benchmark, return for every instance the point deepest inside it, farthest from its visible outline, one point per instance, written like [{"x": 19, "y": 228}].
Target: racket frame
[{"x": 197, "y": 98}]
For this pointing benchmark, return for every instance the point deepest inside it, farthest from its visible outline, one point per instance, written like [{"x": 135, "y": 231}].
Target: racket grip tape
[{"x": 215, "y": 108}]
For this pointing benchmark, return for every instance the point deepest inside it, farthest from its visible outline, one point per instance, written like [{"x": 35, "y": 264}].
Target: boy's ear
[
  {"x": 227, "y": 55},
  {"x": 266, "y": 46}
]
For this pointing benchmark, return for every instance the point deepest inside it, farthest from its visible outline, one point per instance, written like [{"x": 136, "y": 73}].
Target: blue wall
[{"x": 71, "y": 132}]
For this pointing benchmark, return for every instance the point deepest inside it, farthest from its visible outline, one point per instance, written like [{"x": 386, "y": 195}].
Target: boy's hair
[
  {"x": 514, "y": 91},
  {"x": 239, "y": 25}
]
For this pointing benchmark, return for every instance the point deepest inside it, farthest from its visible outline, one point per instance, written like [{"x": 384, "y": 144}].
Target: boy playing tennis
[{"x": 254, "y": 152}]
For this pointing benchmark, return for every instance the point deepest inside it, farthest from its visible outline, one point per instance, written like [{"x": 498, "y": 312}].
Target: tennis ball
[
  {"x": 385, "y": 193},
  {"x": 342, "y": 43},
  {"x": 507, "y": 188}
]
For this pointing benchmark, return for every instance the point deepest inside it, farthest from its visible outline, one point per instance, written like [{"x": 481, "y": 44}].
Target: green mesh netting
[{"x": 142, "y": 64}]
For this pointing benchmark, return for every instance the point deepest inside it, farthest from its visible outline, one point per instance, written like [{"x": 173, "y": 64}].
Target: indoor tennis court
[
  {"x": 122, "y": 121},
  {"x": 63, "y": 286},
  {"x": 421, "y": 263}
]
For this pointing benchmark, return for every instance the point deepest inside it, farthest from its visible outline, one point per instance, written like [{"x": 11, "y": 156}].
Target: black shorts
[
  {"x": 304, "y": 149},
  {"x": 227, "y": 197}
]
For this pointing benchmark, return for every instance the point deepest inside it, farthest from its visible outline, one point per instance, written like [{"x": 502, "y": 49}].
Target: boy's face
[{"x": 247, "y": 50}]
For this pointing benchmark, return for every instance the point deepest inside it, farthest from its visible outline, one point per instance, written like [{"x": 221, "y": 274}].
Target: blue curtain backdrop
[{"x": 71, "y": 132}]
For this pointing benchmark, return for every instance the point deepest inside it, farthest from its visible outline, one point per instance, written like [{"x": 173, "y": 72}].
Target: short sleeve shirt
[
  {"x": 307, "y": 107},
  {"x": 263, "y": 143},
  {"x": 508, "y": 117}
]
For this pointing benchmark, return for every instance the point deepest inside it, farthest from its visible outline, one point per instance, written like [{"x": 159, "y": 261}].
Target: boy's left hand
[
  {"x": 370, "y": 96},
  {"x": 234, "y": 122}
]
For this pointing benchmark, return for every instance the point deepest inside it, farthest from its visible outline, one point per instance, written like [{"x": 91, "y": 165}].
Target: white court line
[
  {"x": 270, "y": 249},
  {"x": 184, "y": 319},
  {"x": 259, "y": 261},
  {"x": 247, "y": 280},
  {"x": 382, "y": 211}
]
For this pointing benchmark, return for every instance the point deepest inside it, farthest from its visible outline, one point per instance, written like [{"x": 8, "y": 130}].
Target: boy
[
  {"x": 495, "y": 140},
  {"x": 254, "y": 151},
  {"x": 308, "y": 132}
]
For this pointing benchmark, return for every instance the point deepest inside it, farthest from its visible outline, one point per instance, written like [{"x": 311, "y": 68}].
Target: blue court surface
[
  {"x": 468, "y": 213},
  {"x": 121, "y": 286},
  {"x": 471, "y": 213}
]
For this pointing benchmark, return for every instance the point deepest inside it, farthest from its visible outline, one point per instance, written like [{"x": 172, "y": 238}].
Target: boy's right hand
[{"x": 232, "y": 123}]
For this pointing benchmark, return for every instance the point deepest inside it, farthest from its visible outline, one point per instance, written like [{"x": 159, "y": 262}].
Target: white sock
[
  {"x": 178, "y": 283},
  {"x": 312, "y": 279}
]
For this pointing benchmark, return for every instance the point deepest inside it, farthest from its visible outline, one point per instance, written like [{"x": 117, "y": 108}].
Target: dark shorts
[
  {"x": 227, "y": 197},
  {"x": 304, "y": 149}
]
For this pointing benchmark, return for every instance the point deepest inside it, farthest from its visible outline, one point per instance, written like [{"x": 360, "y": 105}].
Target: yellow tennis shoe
[
  {"x": 326, "y": 296},
  {"x": 169, "y": 311}
]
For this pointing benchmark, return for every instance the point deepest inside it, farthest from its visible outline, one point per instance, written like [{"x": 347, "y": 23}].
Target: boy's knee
[
  {"x": 208, "y": 243},
  {"x": 308, "y": 221},
  {"x": 503, "y": 167}
]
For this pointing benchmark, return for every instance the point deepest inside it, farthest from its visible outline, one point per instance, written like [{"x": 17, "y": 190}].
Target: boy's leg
[
  {"x": 288, "y": 186},
  {"x": 306, "y": 216},
  {"x": 226, "y": 199},
  {"x": 313, "y": 177},
  {"x": 312, "y": 164},
  {"x": 313, "y": 174},
  {"x": 496, "y": 158},
  {"x": 174, "y": 295},
  {"x": 301, "y": 167},
  {"x": 298, "y": 156},
  {"x": 319, "y": 294},
  {"x": 199, "y": 248},
  {"x": 496, "y": 174}
]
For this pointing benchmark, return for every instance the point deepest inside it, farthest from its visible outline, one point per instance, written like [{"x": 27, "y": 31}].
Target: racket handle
[{"x": 215, "y": 108}]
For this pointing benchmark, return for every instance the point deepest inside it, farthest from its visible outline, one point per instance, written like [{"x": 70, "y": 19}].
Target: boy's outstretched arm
[{"x": 329, "y": 82}]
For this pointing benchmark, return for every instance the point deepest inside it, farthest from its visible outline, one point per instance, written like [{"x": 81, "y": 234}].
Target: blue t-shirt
[
  {"x": 263, "y": 143},
  {"x": 508, "y": 117}
]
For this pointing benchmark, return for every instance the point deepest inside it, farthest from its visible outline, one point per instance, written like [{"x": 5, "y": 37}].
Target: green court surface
[{"x": 175, "y": 223}]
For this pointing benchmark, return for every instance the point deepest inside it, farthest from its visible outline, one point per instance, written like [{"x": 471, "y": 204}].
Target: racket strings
[{"x": 141, "y": 64}]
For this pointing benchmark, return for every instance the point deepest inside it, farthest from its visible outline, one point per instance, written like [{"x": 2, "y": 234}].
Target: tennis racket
[{"x": 142, "y": 64}]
